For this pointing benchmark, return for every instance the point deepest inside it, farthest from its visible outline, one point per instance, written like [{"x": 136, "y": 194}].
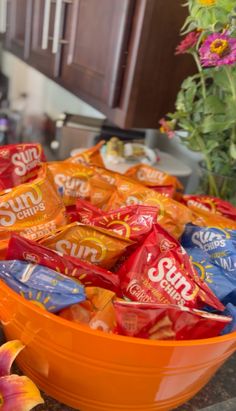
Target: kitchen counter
[{"x": 218, "y": 395}]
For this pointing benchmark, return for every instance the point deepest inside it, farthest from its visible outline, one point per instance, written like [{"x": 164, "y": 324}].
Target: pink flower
[
  {"x": 188, "y": 42},
  {"x": 218, "y": 50},
  {"x": 166, "y": 128}
]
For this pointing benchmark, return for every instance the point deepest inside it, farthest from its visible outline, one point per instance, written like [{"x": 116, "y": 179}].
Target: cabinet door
[
  {"x": 43, "y": 25},
  {"x": 94, "y": 59},
  {"x": 19, "y": 14}
]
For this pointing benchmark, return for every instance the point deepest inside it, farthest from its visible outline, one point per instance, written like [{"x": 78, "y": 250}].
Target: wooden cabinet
[
  {"x": 117, "y": 55},
  {"x": 43, "y": 25},
  {"x": 19, "y": 16},
  {"x": 94, "y": 60}
]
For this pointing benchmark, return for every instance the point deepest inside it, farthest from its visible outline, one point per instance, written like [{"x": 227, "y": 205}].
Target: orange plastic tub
[{"x": 93, "y": 371}]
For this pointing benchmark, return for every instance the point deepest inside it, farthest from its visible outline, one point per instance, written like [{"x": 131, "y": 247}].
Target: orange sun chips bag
[
  {"x": 71, "y": 180},
  {"x": 97, "y": 311},
  {"x": 172, "y": 215},
  {"x": 88, "y": 157},
  {"x": 207, "y": 219},
  {"x": 152, "y": 177},
  {"x": 32, "y": 210},
  {"x": 93, "y": 244}
]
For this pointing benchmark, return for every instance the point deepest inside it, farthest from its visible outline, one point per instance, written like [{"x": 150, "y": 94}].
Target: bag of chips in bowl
[
  {"x": 88, "y": 274},
  {"x": 44, "y": 287},
  {"x": 166, "y": 322},
  {"x": 19, "y": 163}
]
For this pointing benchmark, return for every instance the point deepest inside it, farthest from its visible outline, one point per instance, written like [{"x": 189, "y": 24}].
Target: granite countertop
[{"x": 218, "y": 395}]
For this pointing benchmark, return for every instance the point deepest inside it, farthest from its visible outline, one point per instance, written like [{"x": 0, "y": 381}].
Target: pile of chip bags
[{"x": 125, "y": 254}]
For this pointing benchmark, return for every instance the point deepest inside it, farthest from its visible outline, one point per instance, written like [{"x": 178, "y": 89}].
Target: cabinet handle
[
  {"x": 57, "y": 24},
  {"x": 46, "y": 19},
  {"x": 3, "y": 16}
]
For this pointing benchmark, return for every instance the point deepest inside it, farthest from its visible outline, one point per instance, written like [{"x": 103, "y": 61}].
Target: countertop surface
[{"x": 218, "y": 395}]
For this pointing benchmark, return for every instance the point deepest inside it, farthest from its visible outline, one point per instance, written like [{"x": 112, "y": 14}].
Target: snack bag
[
  {"x": 87, "y": 211},
  {"x": 32, "y": 209},
  {"x": 151, "y": 177},
  {"x": 88, "y": 274},
  {"x": 205, "y": 218},
  {"x": 44, "y": 287},
  {"x": 219, "y": 244},
  {"x": 133, "y": 222},
  {"x": 19, "y": 163},
  {"x": 71, "y": 214},
  {"x": 210, "y": 204},
  {"x": 91, "y": 156},
  {"x": 71, "y": 180},
  {"x": 106, "y": 175},
  {"x": 98, "y": 311},
  {"x": 160, "y": 271},
  {"x": 100, "y": 191},
  {"x": 93, "y": 244},
  {"x": 167, "y": 191},
  {"x": 220, "y": 281},
  {"x": 230, "y": 311},
  {"x": 172, "y": 215},
  {"x": 166, "y": 322}
]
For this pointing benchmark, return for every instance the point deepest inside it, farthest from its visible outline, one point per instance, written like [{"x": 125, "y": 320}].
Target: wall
[{"x": 43, "y": 94}]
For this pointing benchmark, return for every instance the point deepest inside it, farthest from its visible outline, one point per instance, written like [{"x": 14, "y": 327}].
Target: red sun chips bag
[
  {"x": 19, "y": 163},
  {"x": 88, "y": 274},
  {"x": 133, "y": 222},
  {"x": 210, "y": 204},
  {"x": 87, "y": 211},
  {"x": 166, "y": 322},
  {"x": 160, "y": 271}
]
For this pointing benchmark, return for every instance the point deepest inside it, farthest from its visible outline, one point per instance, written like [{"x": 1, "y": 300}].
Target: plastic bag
[
  {"x": 166, "y": 322},
  {"x": 44, "y": 287},
  {"x": 93, "y": 244},
  {"x": 160, "y": 271},
  {"x": 19, "y": 163},
  {"x": 88, "y": 274},
  {"x": 71, "y": 180}
]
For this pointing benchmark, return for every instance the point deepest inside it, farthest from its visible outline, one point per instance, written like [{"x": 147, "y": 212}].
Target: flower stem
[
  {"x": 198, "y": 64},
  {"x": 231, "y": 82},
  {"x": 213, "y": 189}
]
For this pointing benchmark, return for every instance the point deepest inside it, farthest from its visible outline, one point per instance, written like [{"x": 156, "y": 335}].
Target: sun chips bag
[
  {"x": 151, "y": 177},
  {"x": 88, "y": 274},
  {"x": 71, "y": 180},
  {"x": 89, "y": 243},
  {"x": 133, "y": 222},
  {"x": 19, "y": 163},
  {"x": 210, "y": 204},
  {"x": 171, "y": 215},
  {"x": 160, "y": 271},
  {"x": 32, "y": 209},
  {"x": 166, "y": 322},
  {"x": 91, "y": 156},
  {"x": 97, "y": 311}
]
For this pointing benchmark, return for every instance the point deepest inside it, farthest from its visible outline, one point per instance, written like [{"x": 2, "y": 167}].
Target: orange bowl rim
[{"x": 102, "y": 334}]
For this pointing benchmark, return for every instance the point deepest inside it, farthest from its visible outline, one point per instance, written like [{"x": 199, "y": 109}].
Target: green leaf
[
  {"x": 212, "y": 124},
  {"x": 213, "y": 105}
]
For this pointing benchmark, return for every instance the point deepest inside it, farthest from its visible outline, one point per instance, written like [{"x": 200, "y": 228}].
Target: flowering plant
[
  {"x": 17, "y": 393},
  {"x": 206, "y": 102}
]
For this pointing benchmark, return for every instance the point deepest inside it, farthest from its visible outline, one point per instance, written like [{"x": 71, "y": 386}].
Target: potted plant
[{"x": 206, "y": 102}]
